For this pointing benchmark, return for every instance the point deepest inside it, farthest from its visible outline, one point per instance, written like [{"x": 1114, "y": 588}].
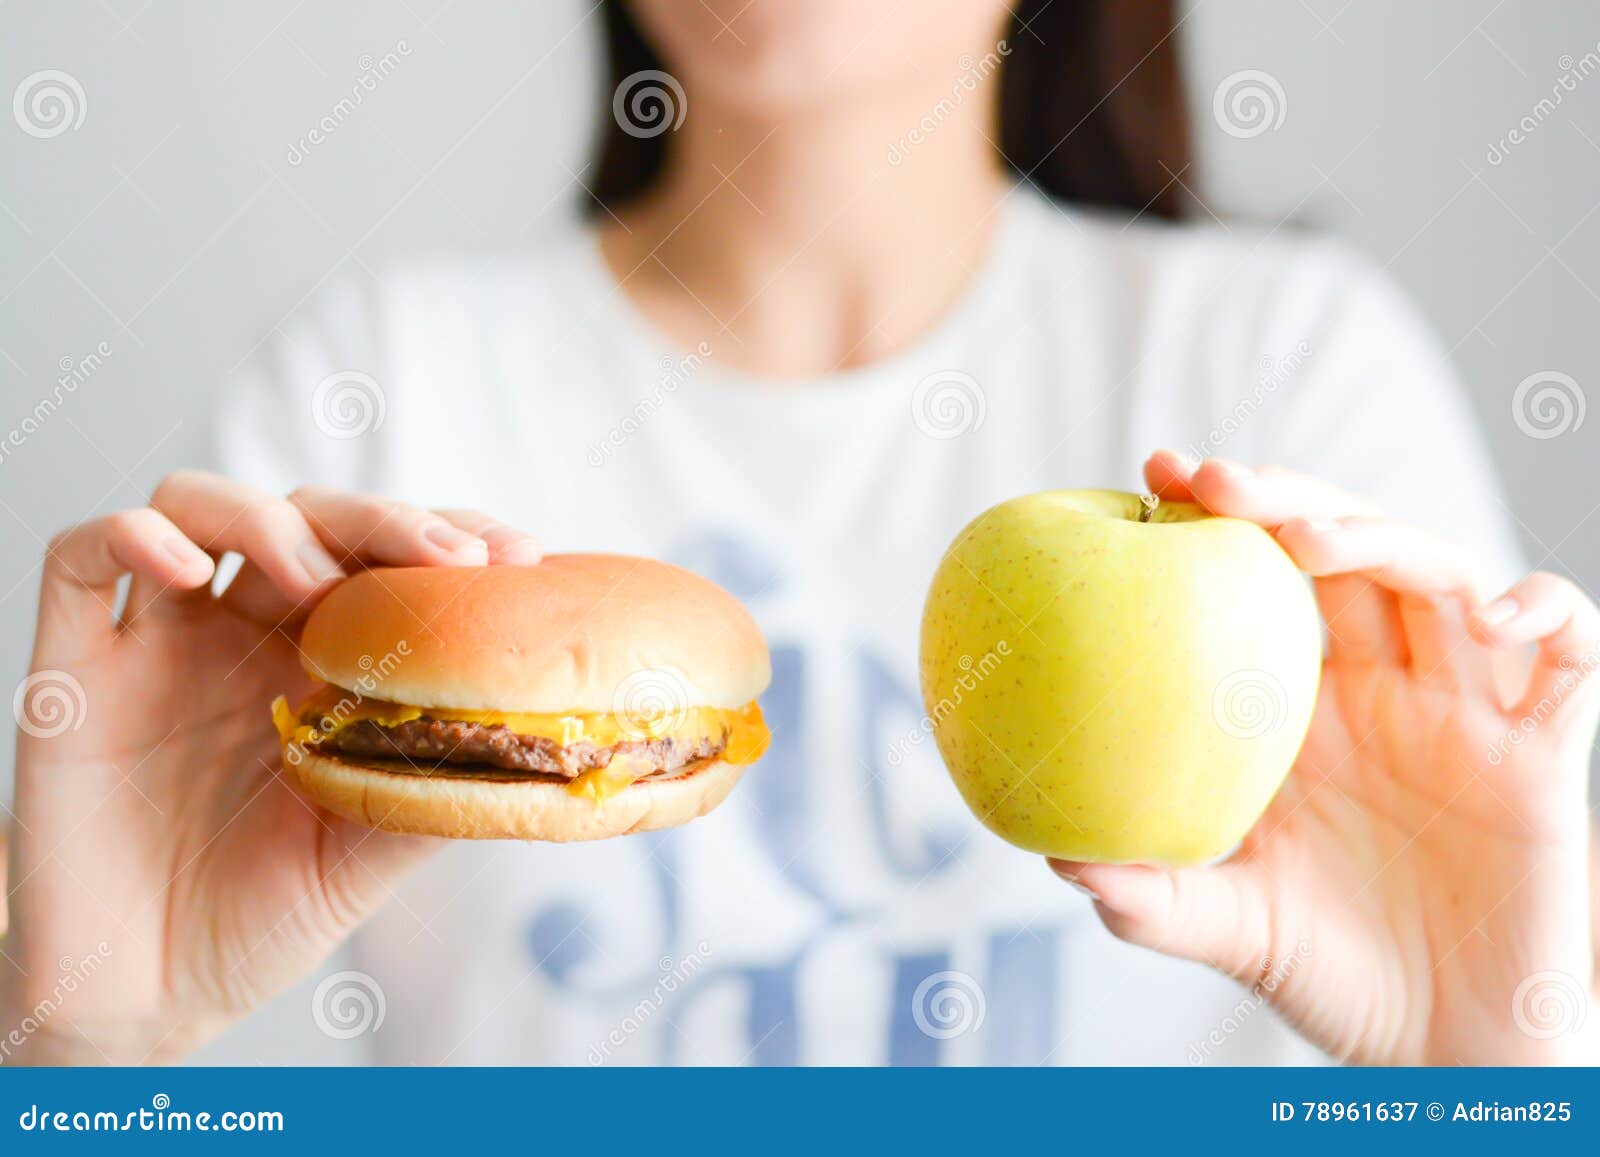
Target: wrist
[
  {"x": 31, "y": 1037},
  {"x": 39, "y": 1024},
  {"x": 25, "y": 1035}
]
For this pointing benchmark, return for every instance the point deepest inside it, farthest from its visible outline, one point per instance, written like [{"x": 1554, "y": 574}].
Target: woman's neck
[{"x": 818, "y": 242}]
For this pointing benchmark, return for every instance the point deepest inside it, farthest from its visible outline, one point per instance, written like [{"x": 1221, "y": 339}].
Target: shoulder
[
  {"x": 373, "y": 350},
  {"x": 380, "y": 314},
  {"x": 1208, "y": 268},
  {"x": 1294, "y": 348}
]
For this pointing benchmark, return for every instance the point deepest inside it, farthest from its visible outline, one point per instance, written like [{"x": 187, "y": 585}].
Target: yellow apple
[{"x": 1111, "y": 678}]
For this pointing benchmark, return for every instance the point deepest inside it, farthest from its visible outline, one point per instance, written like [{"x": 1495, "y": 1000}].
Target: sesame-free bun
[
  {"x": 577, "y": 633},
  {"x": 388, "y": 795}
]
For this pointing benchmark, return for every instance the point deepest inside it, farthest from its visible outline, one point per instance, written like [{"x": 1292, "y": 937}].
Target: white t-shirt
[{"x": 843, "y": 906}]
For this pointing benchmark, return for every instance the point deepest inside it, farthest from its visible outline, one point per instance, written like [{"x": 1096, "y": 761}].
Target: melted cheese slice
[
  {"x": 747, "y": 734},
  {"x": 601, "y": 783}
]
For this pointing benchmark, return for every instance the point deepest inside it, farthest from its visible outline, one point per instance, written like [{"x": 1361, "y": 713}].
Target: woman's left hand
[{"x": 1419, "y": 891}]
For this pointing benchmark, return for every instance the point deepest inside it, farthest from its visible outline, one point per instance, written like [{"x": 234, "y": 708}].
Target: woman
[{"x": 813, "y": 327}]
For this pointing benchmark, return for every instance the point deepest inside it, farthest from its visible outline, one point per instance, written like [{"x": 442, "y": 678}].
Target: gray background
[{"x": 171, "y": 226}]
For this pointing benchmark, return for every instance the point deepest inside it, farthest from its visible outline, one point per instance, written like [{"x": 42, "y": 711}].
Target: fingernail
[
  {"x": 1321, "y": 525},
  {"x": 318, "y": 563},
  {"x": 1498, "y": 612},
  {"x": 185, "y": 552},
  {"x": 510, "y": 540},
  {"x": 1064, "y": 870},
  {"x": 447, "y": 537}
]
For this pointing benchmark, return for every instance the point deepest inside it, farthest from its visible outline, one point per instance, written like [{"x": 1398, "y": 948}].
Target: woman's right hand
[{"x": 154, "y": 831}]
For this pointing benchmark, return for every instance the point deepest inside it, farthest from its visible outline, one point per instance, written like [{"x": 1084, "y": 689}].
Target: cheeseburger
[{"x": 588, "y": 696}]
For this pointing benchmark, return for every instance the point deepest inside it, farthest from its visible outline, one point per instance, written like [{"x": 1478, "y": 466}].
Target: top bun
[{"x": 578, "y": 633}]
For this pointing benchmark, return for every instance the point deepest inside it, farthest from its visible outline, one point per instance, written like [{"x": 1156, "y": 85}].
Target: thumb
[
  {"x": 359, "y": 867},
  {"x": 1214, "y": 915}
]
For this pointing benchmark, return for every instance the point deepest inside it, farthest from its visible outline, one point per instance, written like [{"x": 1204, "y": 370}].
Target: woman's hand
[
  {"x": 154, "y": 831},
  {"x": 1418, "y": 892}
]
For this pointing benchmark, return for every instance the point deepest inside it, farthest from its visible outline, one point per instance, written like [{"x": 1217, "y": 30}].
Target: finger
[
  {"x": 1364, "y": 624},
  {"x": 1560, "y": 618},
  {"x": 1365, "y": 628},
  {"x": 366, "y": 864},
  {"x": 221, "y": 515},
  {"x": 1392, "y": 554},
  {"x": 1213, "y": 914},
  {"x": 1270, "y": 495},
  {"x": 357, "y": 865},
  {"x": 370, "y": 529},
  {"x": 1434, "y": 580},
  {"x": 149, "y": 597},
  {"x": 1167, "y": 474},
  {"x": 1442, "y": 649},
  {"x": 83, "y": 565},
  {"x": 361, "y": 529},
  {"x": 252, "y": 594},
  {"x": 508, "y": 546},
  {"x": 255, "y": 596}
]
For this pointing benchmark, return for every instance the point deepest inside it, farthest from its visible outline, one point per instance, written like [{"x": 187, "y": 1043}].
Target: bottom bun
[{"x": 391, "y": 796}]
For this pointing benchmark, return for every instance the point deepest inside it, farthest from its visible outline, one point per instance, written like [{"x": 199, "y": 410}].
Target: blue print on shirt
[{"x": 1013, "y": 1019}]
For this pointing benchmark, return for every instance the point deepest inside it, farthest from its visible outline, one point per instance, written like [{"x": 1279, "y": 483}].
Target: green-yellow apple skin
[{"x": 1108, "y": 689}]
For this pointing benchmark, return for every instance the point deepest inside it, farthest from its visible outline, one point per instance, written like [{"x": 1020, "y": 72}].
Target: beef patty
[{"x": 455, "y": 741}]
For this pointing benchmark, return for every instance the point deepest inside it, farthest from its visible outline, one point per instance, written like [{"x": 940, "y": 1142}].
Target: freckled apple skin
[{"x": 1110, "y": 690}]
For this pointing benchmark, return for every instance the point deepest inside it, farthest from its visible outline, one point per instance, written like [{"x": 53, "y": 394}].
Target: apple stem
[{"x": 1147, "y": 507}]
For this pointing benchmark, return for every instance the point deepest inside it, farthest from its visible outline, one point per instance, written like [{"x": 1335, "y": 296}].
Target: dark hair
[{"x": 1091, "y": 106}]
